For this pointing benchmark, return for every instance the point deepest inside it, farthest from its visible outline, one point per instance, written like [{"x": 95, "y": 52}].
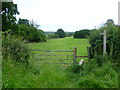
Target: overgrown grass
[
  {"x": 94, "y": 76},
  {"x": 36, "y": 75},
  {"x": 43, "y": 76}
]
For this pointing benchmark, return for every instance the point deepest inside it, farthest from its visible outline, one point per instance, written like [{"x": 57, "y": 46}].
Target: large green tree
[
  {"x": 9, "y": 10},
  {"x": 61, "y": 33},
  {"x": 23, "y": 21},
  {"x": 109, "y": 22}
]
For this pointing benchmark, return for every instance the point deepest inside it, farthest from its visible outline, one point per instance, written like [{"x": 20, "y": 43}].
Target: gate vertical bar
[{"x": 75, "y": 55}]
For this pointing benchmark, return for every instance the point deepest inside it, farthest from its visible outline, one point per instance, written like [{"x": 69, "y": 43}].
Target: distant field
[{"x": 67, "y": 43}]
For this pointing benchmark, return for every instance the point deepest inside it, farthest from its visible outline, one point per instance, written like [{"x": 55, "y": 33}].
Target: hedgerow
[
  {"x": 14, "y": 48},
  {"x": 112, "y": 44}
]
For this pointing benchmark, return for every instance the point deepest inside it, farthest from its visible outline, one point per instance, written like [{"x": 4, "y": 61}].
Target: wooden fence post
[
  {"x": 88, "y": 50},
  {"x": 75, "y": 55}
]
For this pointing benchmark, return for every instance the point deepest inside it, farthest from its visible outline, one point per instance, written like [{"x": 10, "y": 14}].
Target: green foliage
[
  {"x": 69, "y": 34},
  {"x": 50, "y": 36},
  {"x": 31, "y": 34},
  {"x": 98, "y": 77},
  {"x": 42, "y": 35},
  {"x": 74, "y": 68},
  {"x": 113, "y": 42},
  {"x": 23, "y": 21},
  {"x": 90, "y": 81},
  {"x": 82, "y": 33},
  {"x": 61, "y": 33},
  {"x": 9, "y": 10},
  {"x": 109, "y": 22},
  {"x": 14, "y": 48},
  {"x": 24, "y": 28}
]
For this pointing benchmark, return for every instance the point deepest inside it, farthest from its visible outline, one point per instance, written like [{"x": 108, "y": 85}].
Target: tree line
[
  {"x": 26, "y": 29},
  {"x": 82, "y": 33},
  {"x": 17, "y": 33}
]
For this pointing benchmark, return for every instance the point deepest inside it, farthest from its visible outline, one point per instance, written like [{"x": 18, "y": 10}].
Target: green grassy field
[
  {"x": 44, "y": 75},
  {"x": 67, "y": 43}
]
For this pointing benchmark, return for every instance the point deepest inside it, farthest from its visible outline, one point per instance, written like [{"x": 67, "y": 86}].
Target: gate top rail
[
  {"x": 51, "y": 54},
  {"x": 55, "y": 50},
  {"x": 74, "y": 54}
]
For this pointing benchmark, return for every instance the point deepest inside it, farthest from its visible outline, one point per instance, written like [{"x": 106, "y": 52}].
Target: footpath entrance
[{"x": 58, "y": 56}]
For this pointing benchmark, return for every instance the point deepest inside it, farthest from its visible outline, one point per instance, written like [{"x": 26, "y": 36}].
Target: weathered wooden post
[
  {"x": 104, "y": 42},
  {"x": 88, "y": 49},
  {"x": 75, "y": 55}
]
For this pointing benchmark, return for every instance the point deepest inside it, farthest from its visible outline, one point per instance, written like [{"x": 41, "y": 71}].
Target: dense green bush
[
  {"x": 69, "y": 34},
  {"x": 14, "y": 48},
  {"x": 113, "y": 42},
  {"x": 31, "y": 33},
  {"x": 82, "y": 33},
  {"x": 50, "y": 36},
  {"x": 42, "y": 35}
]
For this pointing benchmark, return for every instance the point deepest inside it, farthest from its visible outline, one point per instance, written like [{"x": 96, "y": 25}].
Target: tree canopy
[
  {"x": 9, "y": 10},
  {"x": 23, "y": 21},
  {"x": 27, "y": 30},
  {"x": 109, "y": 22},
  {"x": 82, "y": 33},
  {"x": 61, "y": 33},
  {"x": 31, "y": 33}
]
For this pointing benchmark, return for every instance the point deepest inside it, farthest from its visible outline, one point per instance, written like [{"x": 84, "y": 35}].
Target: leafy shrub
[
  {"x": 49, "y": 36},
  {"x": 69, "y": 34},
  {"x": 89, "y": 67},
  {"x": 14, "y": 48},
  {"x": 42, "y": 35},
  {"x": 113, "y": 42},
  {"x": 31, "y": 33},
  {"x": 98, "y": 77},
  {"x": 100, "y": 60},
  {"x": 82, "y": 33}
]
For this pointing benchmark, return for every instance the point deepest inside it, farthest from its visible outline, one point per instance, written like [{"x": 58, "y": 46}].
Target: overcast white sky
[{"x": 70, "y": 15}]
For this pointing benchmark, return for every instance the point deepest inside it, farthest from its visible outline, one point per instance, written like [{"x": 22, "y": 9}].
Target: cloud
[{"x": 87, "y": 13}]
